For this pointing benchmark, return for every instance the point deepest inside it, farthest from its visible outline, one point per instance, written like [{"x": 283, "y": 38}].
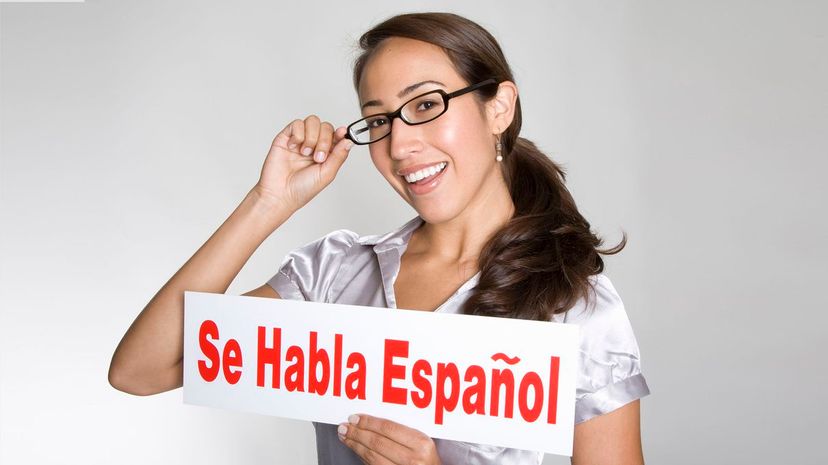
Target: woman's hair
[{"x": 539, "y": 263}]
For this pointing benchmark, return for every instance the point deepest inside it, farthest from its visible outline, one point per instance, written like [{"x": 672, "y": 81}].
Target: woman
[{"x": 497, "y": 233}]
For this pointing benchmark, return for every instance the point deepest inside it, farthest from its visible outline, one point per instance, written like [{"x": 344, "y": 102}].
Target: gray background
[{"x": 131, "y": 130}]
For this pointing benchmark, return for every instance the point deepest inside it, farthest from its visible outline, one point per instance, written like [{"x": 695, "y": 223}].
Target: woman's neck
[{"x": 460, "y": 239}]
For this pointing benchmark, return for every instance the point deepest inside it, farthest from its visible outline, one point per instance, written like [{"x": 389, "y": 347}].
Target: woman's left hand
[{"x": 378, "y": 441}]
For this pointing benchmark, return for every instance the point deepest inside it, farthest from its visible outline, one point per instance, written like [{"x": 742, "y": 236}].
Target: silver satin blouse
[{"x": 345, "y": 268}]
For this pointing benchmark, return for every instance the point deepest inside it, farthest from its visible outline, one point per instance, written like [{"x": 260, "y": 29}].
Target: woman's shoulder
[
  {"x": 610, "y": 372},
  {"x": 603, "y": 305},
  {"x": 307, "y": 271},
  {"x": 604, "y": 323},
  {"x": 335, "y": 241},
  {"x": 342, "y": 240}
]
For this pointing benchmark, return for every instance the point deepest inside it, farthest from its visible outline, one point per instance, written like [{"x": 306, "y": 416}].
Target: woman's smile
[
  {"x": 423, "y": 180},
  {"x": 427, "y": 185}
]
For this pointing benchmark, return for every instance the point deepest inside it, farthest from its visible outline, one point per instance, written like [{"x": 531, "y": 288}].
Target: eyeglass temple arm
[{"x": 472, "y": 88}]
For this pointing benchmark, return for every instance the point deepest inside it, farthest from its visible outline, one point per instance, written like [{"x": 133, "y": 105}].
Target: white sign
[{"x": 498, "y": 381}]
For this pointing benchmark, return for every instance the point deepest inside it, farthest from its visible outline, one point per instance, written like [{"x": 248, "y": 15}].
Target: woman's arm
[
  {"x": 148, "y": 358},
  {"x": 613, "y": 438}
]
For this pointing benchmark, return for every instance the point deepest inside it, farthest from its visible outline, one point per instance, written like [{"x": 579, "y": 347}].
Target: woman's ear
[{"x": 501, "y": 108}]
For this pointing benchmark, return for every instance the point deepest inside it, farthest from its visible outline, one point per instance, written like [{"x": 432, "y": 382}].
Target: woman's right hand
[{"x": 294, "y": 171}]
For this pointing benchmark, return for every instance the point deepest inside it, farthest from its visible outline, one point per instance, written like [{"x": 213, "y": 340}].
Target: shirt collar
[
  {"x": 395, "y": 239},
  {"x": 389, "y": 263}
]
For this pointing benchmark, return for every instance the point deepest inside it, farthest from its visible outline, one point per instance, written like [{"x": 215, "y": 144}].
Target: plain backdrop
[{"x": 132, "y": 129}]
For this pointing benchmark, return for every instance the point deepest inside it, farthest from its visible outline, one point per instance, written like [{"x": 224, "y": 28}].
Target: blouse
[{"x": 345, "y": 268}]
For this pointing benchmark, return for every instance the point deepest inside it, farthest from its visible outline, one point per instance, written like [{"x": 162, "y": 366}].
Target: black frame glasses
[{"x": 360, "y": 126}]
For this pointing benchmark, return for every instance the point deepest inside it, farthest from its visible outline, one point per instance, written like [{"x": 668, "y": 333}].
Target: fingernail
[
  {"x": 292, "y": 146},
  {"x": 353, "y": 419},
  {"x": 349, "y": 146},
  {"x": 320, "y": 157},
  {"x": 307, "y": 151},
  {"x": 342, "y": 430}
]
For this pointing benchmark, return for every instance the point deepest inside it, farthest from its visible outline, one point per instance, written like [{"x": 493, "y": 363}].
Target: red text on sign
[
  {"x": 231, "y": 355},
  {"x": 446, "y": 390},
  {"x": 297, "y": 378}
]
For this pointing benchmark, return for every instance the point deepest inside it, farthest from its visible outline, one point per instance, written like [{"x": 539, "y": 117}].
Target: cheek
[
  {"x": 460, "y": 138},
  {"x": 379, "y": 156},
  {"x": 461, "y": 127},
  {"x": 377, "y": 153},
  {"x": 449, "y": 133}
]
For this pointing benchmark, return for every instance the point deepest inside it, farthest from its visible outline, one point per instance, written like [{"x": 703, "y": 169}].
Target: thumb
[{"x": 337, "y": 156}]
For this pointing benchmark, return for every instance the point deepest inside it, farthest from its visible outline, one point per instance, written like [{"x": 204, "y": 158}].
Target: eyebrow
[{"x": 403, "y": 93}]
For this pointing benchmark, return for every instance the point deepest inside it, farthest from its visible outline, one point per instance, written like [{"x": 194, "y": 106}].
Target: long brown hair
[{"x": 539, "y": 263}]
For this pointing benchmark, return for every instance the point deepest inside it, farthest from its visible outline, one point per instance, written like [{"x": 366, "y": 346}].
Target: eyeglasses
[{"x": 420, "y": 109}]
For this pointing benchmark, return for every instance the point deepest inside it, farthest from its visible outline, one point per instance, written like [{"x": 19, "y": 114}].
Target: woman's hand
[
  {"x": 383, "y": 442},
  {"x": 303, "y": 159}
]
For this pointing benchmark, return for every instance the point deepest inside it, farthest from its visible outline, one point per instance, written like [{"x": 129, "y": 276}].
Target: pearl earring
[{"x": 499, "y": 148}]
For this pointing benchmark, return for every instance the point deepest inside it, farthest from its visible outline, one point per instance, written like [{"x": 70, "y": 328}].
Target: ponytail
[{"x": 539, "y": 263}]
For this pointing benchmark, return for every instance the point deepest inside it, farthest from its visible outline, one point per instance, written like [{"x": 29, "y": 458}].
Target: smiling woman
[{"x": 497, "y": 233}]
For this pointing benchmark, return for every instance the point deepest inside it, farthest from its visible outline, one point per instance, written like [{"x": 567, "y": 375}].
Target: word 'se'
[{"x": 231, "y": 355}]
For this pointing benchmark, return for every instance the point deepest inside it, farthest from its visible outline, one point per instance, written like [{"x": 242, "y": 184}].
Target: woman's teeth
[{"x": 424, "y": 173}]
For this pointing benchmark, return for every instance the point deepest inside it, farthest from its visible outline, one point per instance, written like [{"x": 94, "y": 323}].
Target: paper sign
[{"x": 504, "y": 382}]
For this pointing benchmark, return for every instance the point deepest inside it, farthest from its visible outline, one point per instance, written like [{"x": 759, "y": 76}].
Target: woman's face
[{"x": 461, "y": 138}]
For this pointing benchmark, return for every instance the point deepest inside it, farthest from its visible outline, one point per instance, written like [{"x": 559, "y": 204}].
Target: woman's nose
[{"x": 405, "y": 139}]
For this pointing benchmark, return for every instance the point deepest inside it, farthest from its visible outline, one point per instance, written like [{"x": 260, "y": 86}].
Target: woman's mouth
[{"x": 425, "y": 180}]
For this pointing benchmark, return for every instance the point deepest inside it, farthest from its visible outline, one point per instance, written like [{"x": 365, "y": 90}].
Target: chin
[
  {"x": 436, "y": 213},
  {"x": 433, "y": 210}
]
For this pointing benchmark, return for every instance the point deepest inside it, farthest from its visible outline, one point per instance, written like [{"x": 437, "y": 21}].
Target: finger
[
  {"x": 372, "y": 448},
  {"x": 367, "y": 455},
  {"x": 333, "y": 162},
  {"x": 283, "y": 138},
  {"x": 311, "y": 134},
  {"x": 324, "y": 143},
  {"x": 401, "y": 434},
  {"x": 297, "y": 134},
  {"x": 339, "y": 134}
]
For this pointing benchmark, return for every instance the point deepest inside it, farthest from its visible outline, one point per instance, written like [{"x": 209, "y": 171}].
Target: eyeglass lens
[{"x": 417, "y": 111}]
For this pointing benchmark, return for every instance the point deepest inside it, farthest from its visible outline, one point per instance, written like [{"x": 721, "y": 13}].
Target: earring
[{"x": 499, "y": 148}]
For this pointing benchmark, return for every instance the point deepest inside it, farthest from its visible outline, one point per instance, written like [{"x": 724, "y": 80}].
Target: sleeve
[
  {"x": 610, "y": 364},
  {"x": 308, "y": 271}
]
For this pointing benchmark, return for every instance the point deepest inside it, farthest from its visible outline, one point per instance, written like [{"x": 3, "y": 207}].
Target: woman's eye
[
  {"x": 426, "y": 105},
  {"x": 376, "y": 122}
]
